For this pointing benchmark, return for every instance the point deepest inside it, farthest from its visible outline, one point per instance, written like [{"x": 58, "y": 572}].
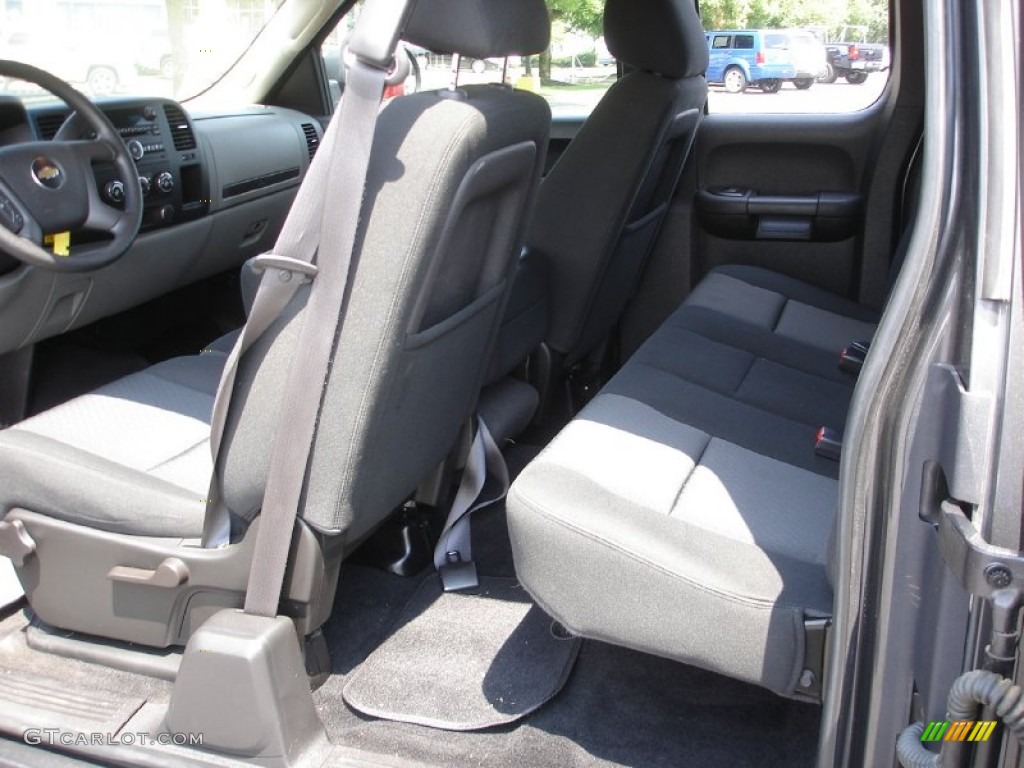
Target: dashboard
[{"x": 216, "y": 189}]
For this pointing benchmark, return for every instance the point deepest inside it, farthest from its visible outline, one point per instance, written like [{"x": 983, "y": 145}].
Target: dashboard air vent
[
  {"x": 181, "y": 133},
  {"x": 312, "y": 140},
  {"x": 49, "y": 123}
]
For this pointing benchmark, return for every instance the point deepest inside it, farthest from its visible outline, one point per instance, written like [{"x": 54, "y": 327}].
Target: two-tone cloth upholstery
[
  {"x": 684, "y": 511},
  {"x": 451, "y": 178}
]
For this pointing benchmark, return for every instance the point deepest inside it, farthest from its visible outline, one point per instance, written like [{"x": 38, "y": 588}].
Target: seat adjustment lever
[
  {"x": 15, "y": 542},
  {"x": 171, "y": 573}
]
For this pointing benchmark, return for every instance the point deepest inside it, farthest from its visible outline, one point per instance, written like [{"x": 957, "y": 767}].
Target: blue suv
[{"x": 742, "y": 57}]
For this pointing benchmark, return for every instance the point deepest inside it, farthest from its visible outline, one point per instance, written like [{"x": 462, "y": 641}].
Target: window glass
[
  {"x": 572, "y": 74},
  {"x": 796, "y": 56},
  {"x": 172, "y": 48}
]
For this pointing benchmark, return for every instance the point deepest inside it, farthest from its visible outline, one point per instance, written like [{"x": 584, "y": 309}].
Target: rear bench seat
[{"x": 684, "y": 511}]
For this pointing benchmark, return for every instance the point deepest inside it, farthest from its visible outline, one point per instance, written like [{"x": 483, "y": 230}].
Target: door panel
[
  {"x": 784, "y": 192},
  {"x": 779, "y": 166}
]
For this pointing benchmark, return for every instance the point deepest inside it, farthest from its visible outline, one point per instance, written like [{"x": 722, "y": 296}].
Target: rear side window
[{"x": 811, "y": 56}]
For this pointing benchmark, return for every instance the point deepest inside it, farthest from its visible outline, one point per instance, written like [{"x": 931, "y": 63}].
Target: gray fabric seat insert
[
  {"x": 114, "y": 475},
  {"x": 632, "y": 528}
]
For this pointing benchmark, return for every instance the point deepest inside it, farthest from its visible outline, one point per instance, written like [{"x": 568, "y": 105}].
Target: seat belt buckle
[
  {"x": 851, "y": 359},
  {"x": 828, "y": 444},
  {"x": 458, "y": 574}
]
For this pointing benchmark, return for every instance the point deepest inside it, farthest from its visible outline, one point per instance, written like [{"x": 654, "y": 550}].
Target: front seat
[
  {"x": 601, "y": 206},
  {"x": 102, "y": 499}
]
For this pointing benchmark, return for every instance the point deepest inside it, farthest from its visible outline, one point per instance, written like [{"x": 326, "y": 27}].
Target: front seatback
[
  {"x": 601, "y": 205},
  {"x": 452, "y": 174}
]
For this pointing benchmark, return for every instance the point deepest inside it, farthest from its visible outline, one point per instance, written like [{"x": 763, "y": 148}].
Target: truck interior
[{"x": 652, "y": 436}]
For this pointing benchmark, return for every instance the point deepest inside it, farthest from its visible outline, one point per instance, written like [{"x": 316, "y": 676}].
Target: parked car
[
  {"x": 855, "y": 58},
  {"x": 430, "y": 60},
  {"x": 809, "y": 57},
  {"x": 742, "y": 57},
  {"x": 155, "y": 57},
  {"x": 101, "y": 67}
]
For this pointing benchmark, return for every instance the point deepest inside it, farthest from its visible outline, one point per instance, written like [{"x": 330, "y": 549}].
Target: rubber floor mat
[
  {"x": 465, "y": 661},
  {"x": 30, "y": 701}
]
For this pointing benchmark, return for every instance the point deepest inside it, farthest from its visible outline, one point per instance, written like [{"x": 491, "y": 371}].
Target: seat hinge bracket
[
  {"x": 810, "y": 682},
  {"x": 986, "y": 571},
  {"x": 953, "y": 483},
  {"x": 963, "y": 422}
]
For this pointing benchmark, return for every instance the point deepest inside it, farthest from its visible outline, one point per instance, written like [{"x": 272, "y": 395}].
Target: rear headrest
[
  {"x": 480, "y": 28},
  {"x": 661, "y": 36}
]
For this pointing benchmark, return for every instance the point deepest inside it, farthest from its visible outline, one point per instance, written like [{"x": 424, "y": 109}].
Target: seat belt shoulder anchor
[{"x": 288, "y": 264}]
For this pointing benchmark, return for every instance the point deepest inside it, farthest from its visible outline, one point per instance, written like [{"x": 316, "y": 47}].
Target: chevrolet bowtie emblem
[{"x": 47, "y": 172}]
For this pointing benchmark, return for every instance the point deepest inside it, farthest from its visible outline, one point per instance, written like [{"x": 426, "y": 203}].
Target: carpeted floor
[{"x": 619, "y": 707}]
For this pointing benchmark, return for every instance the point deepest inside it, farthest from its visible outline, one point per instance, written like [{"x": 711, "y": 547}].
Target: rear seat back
[{"x": 601, "y": 206}]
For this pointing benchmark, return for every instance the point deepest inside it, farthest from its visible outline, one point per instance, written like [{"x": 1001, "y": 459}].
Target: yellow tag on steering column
[{"x": 61, "y": 242}]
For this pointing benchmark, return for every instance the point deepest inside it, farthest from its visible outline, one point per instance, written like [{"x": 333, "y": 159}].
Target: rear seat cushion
[
  {"x": 737, "y": 374},
  {"x": 726, "y": 418},
  {"x": 684, "y": 512},
  {"x": 638, "y": 529}
]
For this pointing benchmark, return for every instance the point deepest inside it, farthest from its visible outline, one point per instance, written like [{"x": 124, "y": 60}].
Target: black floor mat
[{"x": 464, "y": 661}]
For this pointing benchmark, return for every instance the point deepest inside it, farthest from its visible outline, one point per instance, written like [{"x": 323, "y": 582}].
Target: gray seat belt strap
[
  {"x": 453, "y": 555},
  {"x": 290, "y": 265},
  {"x": 357, "y": 117},
  {"x": 297, "y": 246}
]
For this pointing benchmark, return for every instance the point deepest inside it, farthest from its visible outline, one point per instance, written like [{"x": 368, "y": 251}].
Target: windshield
[{"x": 173, "y": 48}]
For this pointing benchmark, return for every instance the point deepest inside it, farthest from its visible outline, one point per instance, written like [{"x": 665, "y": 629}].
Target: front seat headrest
[
  {"x": 480, "y": 28},
  {"x": 660, "y": 36}
]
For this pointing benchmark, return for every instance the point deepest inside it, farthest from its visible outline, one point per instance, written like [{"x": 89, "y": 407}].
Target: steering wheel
[{"x": 48, "y": 187}]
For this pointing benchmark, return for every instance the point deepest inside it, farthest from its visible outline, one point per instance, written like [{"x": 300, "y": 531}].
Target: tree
[
  {"x": 775, "y": 14},
  {"x": 578, "y": 15},
  {"x": 585, "y": 16}
]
